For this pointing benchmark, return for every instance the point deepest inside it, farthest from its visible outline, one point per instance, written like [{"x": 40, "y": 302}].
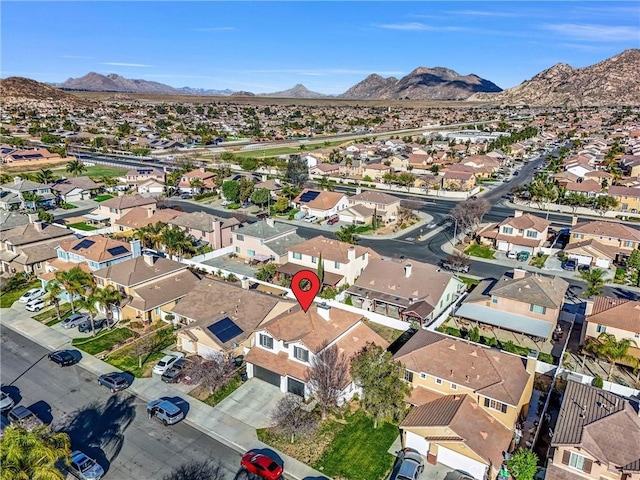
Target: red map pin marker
[{"x": 305, "y": 297}]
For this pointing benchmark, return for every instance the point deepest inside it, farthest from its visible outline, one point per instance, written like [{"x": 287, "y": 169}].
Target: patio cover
[
  {"x": 261, "y": 258},
  {"x": 330, "y": 279},
  {"x": 506, "y": 320},
  {"x": 96, "y": 217}
]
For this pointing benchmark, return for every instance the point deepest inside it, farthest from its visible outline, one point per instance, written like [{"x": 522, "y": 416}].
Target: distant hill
[
  {"x": 20, "y": 89},
  {"x": 96, "y": 82},
  {"x": 614, "y": 81},
  {"x": 422, "y": 84},
  {"x": 298, "y": 91}
]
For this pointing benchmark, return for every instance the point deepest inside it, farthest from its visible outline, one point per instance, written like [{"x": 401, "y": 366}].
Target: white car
[
  {"x": 35, "y": 305},
  {"x": 6, "y": 402},
  {"x": 32, "y": 295},
  {"x": 226, "y": 202},
  {"x": 74, "y": 320},
  {"x": 512, "y": 254},
  {"x": 167, "y": 362},
  {"x": 311, "y": 219}
]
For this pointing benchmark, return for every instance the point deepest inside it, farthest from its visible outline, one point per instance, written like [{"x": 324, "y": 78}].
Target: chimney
[
  {"x": 407, "y": 270},
  {"x": 588, "y": 310},
  {"x": 264, "y": 178},
  {"x": 148, "y": 259},
  {"x": 351, "y": 253},
  {"x": 517, "y": 213},
  {"x": 136, "y": 248},
  {"x": 202, "y": 169},
  {"x": 150, "y": 212},
  {"x": 33, "y": 217},
  {"x": 271, "y": 222},
  {"x": 358, "y": 190},
  {"x": 244, "y": 283},
  {"x": 532, "y": 361},
  {"x": 574, "y": 221},
  {"x": 519, "y": 273},
  {"x": 324, "y": 310}
]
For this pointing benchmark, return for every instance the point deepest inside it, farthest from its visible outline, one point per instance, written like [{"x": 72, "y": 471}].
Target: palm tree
[
  {"x": 108, "y": 297},
  {"x": 325, "y": 184},
  {"x": 75, "y": 167},
  {"x": 54, "y": 290},
  {"x": 594, "y": 280},
  {"x": 5, "y": 178},
  {"x": 32, "y": 455},
  {"x": 347, "y": 234},
  {"x": 44, "y": 176},
  {"x": 89, "y": 303},
  {"x": 613, "y": 350},
  {"x": 74, "y": 281},
  {"x": 197, "y": 184},
  {"x": 150, "y": 235},
  {"x": 31, "y": 200},
  {"x": 176, "y": 241},
  {"x": 290, "y": 191}
]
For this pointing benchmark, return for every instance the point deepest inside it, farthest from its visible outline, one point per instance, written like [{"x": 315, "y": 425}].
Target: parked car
[
  {"x": 431, "y": 225},
  {"x": 310, "y": 219},
  {"x": 224, "y": 203},
  {"x": 98, "y": 324},
  {"x": 261, "y": 465},
  {"x": 74, "y": 320},
  {"x": 165, "y": 411},
  {"x": 167, "y": 362},
  {"x": 584, "y": 267},
  {"x": 409, "y": 465},
  {"x": 6, "y": 402},
  {"x": 153, "y": 253},
  {"x": 512, "y": 254},
  {"x": 63, "y": 358},
  {"x": 454, "y": 267},
  {"x": 114, "y": 381},
  {"x": 523, "y": 256},
  {"x": 186, "y": 196},
  {"x": 333, "y": 219},
  {"x": 84, "y": 467},
  {"x": 568, "y": 265},
  {"x": 24, "y": 417},
  {"x": 173, "y": 374},
  {"x": 32, "y": 294},
  {"x": 36, "y": 305},
  {"x": 245, "y": 205}
]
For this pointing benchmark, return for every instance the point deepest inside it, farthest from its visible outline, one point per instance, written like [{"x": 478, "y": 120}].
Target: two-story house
[
  {"x": 467, "y": 400},
  {"x": 523, "y": 232},
  {"x": 283, "y": 348},
  {"x": 375, "y": 171},
  {"x": 140, "y": 217},
  {"x": 596, "y": 437},
  {"x": 208, "y": 228},
  {"x": 197, "y": 181},
  {"x": 628, "y": 198},
  {"x": 528, "y": 303},
  {"x": 112, "y": 210},
  {"x": 602, "y": 243},
  {"x": 320, "y": 203},
  {"x": 413, "y": 291},
  {"x": 73, "y": 189},
  {"x": 150, "y": 286},
  {"x": 12, "y": 195},
  {"x": 619, "y": 317},
  {"x": 342, "y": 262},
  {"x": 457, "y": 180},
  {"x": 385, "y": 206},
  {"x": 219, "y": 317},
  {"x": 138, "y": 175},
  {"x": 265, "y": 240}
]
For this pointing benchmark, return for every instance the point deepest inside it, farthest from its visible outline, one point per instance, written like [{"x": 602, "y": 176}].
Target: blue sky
[{"x": 327, "y": 46}]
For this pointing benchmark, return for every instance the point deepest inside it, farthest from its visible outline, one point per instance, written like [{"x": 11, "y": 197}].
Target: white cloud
[
  {"x": 419, "y": 27},
  {"x": 594, "y": 33},
  {"x": 124, "y": 64}
]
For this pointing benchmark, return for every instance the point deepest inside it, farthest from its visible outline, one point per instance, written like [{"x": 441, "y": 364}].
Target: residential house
[
  {"x": 29, "y": 155},
  {"x": 628, "y": 198},
  {"x": 528, "y": 303},
  {"x": 218, "y": 317},
  {"x": 274, "y": 186},
  {"x": 283, "y": 348},
  {"x": 458, "y": 181},
  {"x": 467, "y": 401},
  {"x": 112, "y": 210},
  {"x": 206, "y": 179},
  {"x": 602, "y": 243},
  {"x": 325, "y": 169},
  {"x": 12, "y": 194},
  {"x": 208, "y": 228},
  {"x": 320, "y": 203},
  {"x": 375, "y": 171},
  {"x": 342, "y": 262},
  {"x": 26, "y": 247},
  {"x": 73, "y": 189},
  {"x": 619, "y": 317},
  {"x": 597, "y": 436},
  {"x": 140, "y": 217},
  {"x": 414, "y": 292},
  {"x": 265, "y": 240},
  {"x": 142, "y": 174},
  {"x": 386, "y": 206},
  {"x": 151, "y": 286},
  {"x": 9, "y": 220},
  {"x": 630, "y": 165},
  {"x": 588, "y": 187},
  {"x": 523, "y": 232}
]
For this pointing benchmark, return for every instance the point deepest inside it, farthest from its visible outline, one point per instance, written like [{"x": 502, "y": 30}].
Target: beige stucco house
[
  {"x": 265, "y": 240},
  {"x": 205, "y": 227},
  {"x": 523, "y": 232},
  {"x": 619, "y": 317},
  {"x": 602, "y": 243},
  {"x": 385, "y": 206},
  {"x": 110, "y": 211}
]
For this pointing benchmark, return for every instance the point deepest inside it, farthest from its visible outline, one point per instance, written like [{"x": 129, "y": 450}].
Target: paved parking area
[{"x": 252, "y": 403}]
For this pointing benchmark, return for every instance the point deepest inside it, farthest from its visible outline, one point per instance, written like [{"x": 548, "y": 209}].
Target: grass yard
[
  {"x": 82, "y": 226},
  {"x": 482, "y": 251},
  {"x": 68, "y": 206},
  {"x": 202, "y": 393},
  {"x": 102, "y": 198},
  {"x": 388, "y": 333},
  {"x": 103, "y": 341},
  {"x": 470, "y": 282},
  {"x": 538, "y": 261},
  {"x": 97, "y": 171},
  {"x": 126, "y": 359},
  {"x": 8, "y": 297}
]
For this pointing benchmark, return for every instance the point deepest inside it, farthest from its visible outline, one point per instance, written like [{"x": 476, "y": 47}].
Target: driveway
[{"x": 252, "y": 403}]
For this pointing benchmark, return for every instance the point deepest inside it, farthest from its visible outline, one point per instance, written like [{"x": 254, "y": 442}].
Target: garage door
[
  {"x": 581, "y": 259},
  {"x": 294, "y": 386},
  {"x": 603, "y": 263},
  {"x": 458, "y": 461},
  {"x": 412, "y": 440},
  {"x": 503, "y": 246},
  {"x": 267, "y": 375}
]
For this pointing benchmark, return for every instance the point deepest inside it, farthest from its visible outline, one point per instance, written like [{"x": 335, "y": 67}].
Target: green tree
[
  {"x": 75, "y": 281},
  {"x": 290, "y": 191},
  {"x": 634, "y": 262},
  {"x": 89, "y": 303},
  {"x": 383, "y": 390},
  {"x": 613, "y": 350},
  {"x": 45, "y": 216},
  {"x": 347, "y": 234},
  {"x": 44, "y": 176},
  {"x": 32, "y": 454},
  {"x": 297, "y": 172},
  {"x": 107, "y": 298},
  {"x": 281, "y": 205},
  {"x": 523, "y": 464},
  {"x": 260, "y": 196},
  {"x": 249, "y": 164},
  {"x": 246, "y": 189},
  {"x": 267, "y": 272},
  {"x": 75, "y": 167},
  {"x": 31, "y": 200},
  {"x": 54, "y": 290},
  {"x": 231, "y": 190},
  {"x": 325, "y": 184},
  {"x": 176, "y": 241},
  {"x": 594, "y": 280}
]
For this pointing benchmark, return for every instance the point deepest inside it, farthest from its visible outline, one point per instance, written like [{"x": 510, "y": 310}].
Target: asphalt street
[{"x": 112, "y": 428}]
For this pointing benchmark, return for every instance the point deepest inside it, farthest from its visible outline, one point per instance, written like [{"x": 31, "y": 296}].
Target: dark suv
[
  {"x": 97, "y": 325},
  {"x": 569, "y": 265},
  {"x": 114, "y": 381},
  {"x": 409, "y": 465}
]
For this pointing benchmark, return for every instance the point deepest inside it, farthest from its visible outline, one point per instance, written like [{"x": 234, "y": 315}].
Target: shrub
[{"x": 598, "y": 382}]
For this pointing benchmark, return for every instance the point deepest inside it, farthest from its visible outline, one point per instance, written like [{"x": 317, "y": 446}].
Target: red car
[{"x": 261, "y": 465}]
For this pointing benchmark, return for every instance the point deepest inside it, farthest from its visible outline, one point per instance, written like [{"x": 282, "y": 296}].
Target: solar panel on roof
[
  {"x": 119, "y": 250},
  {"x": 225, "y": 329},
  {"x": 83, "y": 244},
  {"x": 309, "y": 196}
]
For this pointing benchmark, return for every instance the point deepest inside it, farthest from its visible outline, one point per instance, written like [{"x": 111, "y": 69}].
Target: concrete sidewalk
[{"x": 209, "y": 420}]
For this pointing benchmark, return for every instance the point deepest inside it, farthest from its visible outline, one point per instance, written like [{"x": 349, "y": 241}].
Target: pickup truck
[{"x": 455, "y": 267}]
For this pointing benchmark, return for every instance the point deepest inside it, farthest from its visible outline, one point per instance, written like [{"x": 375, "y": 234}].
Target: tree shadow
[
  {"x": 620, "y": 293},
  {"x": 98, "y": 429},
  {"x": 13, "y": 392},
  {"x": 42, "y": 410}
]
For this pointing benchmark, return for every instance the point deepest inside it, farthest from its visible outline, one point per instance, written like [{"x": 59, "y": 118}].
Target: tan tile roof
[
  {"x": 140, "y": 217},
  {"x": 592, "y": 246},
  {"x": 98, "y": 250},
  {"x": 527, "y": 221},
  {"x": 123, "y": 202},
  {"x": 498, "y": 375},
  {"x": 607, "y": 229},
  {"x": 324, "y": 201},
  {"x": 136, "y": 270},
  {"x": 331, "y": 249},
  {"x": 202, "y": 221},
  {"x": 533, "y": 288},
  {"x": 587, "y": 186},
  {"x": 619, "y": 313},
  {"x": 25, "y": 234},
  {"x": 616, "y": 190},
  {"x": 163, "y": 290},
  {"x": 372, "y": 196}
]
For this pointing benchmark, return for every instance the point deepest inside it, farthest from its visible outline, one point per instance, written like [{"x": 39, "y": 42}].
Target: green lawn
[
  {"x": 482, "y": 251},
  {"x": 97, "y": 171},
  {"x": 359, "y": 451},
  {"x": 274, "y": 152},
  {"x": 82, "y": 226},
  {"x": 102, "y": 198},
  {"x": 126, "y": 359},
  {"x": 470, "y": 282},
  {"x": 103, "y": 341},
  {"x": 68, "y": 206},
  {"x": 7, "y": 298},
  {"x": 538, "y": 261},
  {"x": 224, "y": 391}
]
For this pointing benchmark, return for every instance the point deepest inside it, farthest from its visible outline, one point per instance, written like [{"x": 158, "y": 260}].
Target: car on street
[
  {"x": 6, "y": 402},
  {"x": 153, "y": 253},
  {"x": 409, "y": 465},
  {"x": 36, "y": 305},
  {"x": 310, "y": 219},
  {"x": 568, "y": 265},
  {"x": 186, "y": 196},
  {"x": 165, "y": 411},
  {"x": 32, "y": 294},
  {"x": 74, "y": 320},
  {"x": 174, "y": 373},
  {"x": 114, "y": 381},
  {"x": 167, "y": 362},
  {"x": 24, "y": 417},
  {"x": 83, "y": 467},
  {"x": 431, "y": 225},
  {"x": 63, "y": 358},
  {"x": 455, "y": 267},
  {"x": 98, "y": 324},
  {"x": 261, "y": 465}
]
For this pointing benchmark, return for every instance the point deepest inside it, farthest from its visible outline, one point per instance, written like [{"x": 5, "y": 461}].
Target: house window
[
  {"x": 537, "y": 309},
  {"x": 423, "y": 375},
  {"x": 507, "y": 230},
  {"x": 301, "y": 354},
  {"x": 237, "y": 249},
  {"x": 240, "y": 237},
  {"x": 38, "y": 265},
  {"x": 628, "y": 244},
  {"x": 438, "y": 381},
  {"x": 532, "y": 234},
  {"x": 495, "y": 405},
  {"x": 577, "y": 461},
  {"x": 156, "y": 311},
  {"x": 297, "y": 256},
  {"x": 251, "y": 253},
  {"x": 408, "y": 376},
  {"x": 578, "y": 236},
  {"x": 314, "y": 259},
  {"x": 453, "y": 386},
  {"x": 9, "y": 247},
  {"x": 266, "y": 341},
  {"x": 336, "y": 265},
  {"x": 494, "y": 299},
  {"x": 601, "y": 328}
]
